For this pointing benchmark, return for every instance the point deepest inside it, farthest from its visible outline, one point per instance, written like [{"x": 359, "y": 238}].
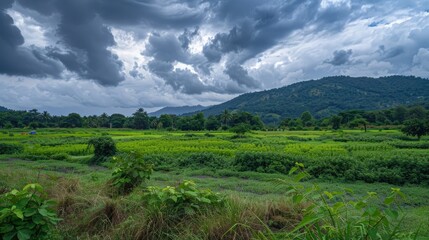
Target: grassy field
[{"x": 242, "y": 169}]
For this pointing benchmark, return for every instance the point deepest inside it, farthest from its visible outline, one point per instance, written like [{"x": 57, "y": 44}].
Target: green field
[{"x": 243, "y": 169}]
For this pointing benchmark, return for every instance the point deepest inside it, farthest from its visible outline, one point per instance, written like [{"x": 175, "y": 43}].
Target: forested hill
[
  {"x": 329, "y": 95},
  {"x": 177, "y": 110},
  {"x": 3, "y": 109}
]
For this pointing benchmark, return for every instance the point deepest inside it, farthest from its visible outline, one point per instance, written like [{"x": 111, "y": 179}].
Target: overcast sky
[{"x": 94, "y": 56}]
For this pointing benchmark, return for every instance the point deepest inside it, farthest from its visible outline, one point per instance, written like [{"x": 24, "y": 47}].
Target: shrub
[
  {"x": 240, "y": 129},
  {"x": 198, "y": 160},
  {"x": 7, "y": 148},
  {"x": 183, "y": 200},
  {"x": 328, "y": 215},
  {"x": 104, "y": 147},
  {"x": 130, "y": 170},
  {"x": 26, "y": 214},
  {"x": 263, "y": 162}
]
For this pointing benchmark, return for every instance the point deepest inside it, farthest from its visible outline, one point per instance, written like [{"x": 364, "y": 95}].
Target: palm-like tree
[
  {"x": 225, "y": 117},
  {"x": 46, "y": 117}
]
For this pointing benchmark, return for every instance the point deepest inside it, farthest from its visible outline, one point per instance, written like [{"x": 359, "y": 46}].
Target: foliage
[
  {"x": 129, "y": 171},
  {"x": 201, "y": 160},
  {"x": 26, "y": 214},
  {"x": 329, "y": 215},
  {"x": 240, "y": 129},
  {"x": 7, "y": 148},
  {"x": 262, "y": 162},
  {"x": 104, "y": 147},
  {"x": 184, "y": 199},
  {"x": 141, "y": 119},
  {"x": 416, "y": 127}
]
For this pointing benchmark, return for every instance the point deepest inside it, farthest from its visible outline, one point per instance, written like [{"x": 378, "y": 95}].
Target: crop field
[{"x": 251, "y": 171}]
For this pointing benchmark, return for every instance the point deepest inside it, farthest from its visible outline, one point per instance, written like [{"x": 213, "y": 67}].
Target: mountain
[
  {"x": 177, "y": 110},
  {"x": 328, "y": 96}
]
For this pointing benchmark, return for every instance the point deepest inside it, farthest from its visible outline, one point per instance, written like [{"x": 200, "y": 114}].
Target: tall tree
[
  {"x": 336, "y": 122},
  {"x": 117, "y": 120},
  {"x": 416, "y": 127},
  {"x": 306, "y": 118},
  {"x": 225, "y": 117},
  {"x": 74, "y": 120},
  {"x": 141, "y": 119}
]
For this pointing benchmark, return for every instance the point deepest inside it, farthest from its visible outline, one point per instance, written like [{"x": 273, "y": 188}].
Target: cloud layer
[{"x": 124, "y": 54}]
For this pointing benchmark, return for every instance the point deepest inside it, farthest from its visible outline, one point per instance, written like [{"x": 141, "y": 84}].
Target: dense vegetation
[
  {"x": 328, "y": 96},
  {"x": 156, "y": 186},
  {"x": 139, "y": 120}
]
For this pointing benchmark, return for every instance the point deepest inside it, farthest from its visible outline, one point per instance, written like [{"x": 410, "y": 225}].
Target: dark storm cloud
[
  {"x": 166, "y": 48},
  {"x": 154, "y": 13},
  {"x": 240, "y": 75},
  {"x": 84, "y": 33},
  {"x": 186, "y": 37},
  {"x": 179, "y": 79},
  {"x": 17, "y": 60},
  {"x": 265, "y": 25},
  {"x": 340, "y": 57}
]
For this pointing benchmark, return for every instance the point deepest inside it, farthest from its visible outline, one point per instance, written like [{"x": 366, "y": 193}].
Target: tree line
[
  {"x": 139, "y": 120},
  {"x": 415, "y": 118}
]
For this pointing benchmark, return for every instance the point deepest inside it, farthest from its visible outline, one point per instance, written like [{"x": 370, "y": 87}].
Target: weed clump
[{"x": 129, "y": 171}]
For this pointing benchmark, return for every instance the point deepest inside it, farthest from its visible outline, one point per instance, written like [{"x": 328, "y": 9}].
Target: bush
[
  {"x": 328, "y": 215},
  {"x": 199, "y": 160},
  {"x": 183, "y": 200},
  {"x": 26, "y": 214},
  {"x": 7, "y": 148},
  {"x": 263, "y": 162},
  {"x": 104, "y": 147},
  {"x": 130, "y": 170},
  {"x": 240, "y": 129}
]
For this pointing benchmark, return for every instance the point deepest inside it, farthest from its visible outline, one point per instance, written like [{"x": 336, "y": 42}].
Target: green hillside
[
  {"x": 328, "y": 96},
  {"x": 3, "y": 109},
  {"x": 177, "y": 110}
]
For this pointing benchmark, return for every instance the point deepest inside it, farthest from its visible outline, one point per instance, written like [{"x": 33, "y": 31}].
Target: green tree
[
  {"x": 359, "y": 121},
  {"x": 104, "y": 121},
  {"x": 117, "y": 120},
  {"x": 416, "y": 127},
  {"x": 306, "y": 118},
  {"x": 166, "y": 120},
  {"x": 336, "y": 122},
  {"x": 400, "y": 114},
  {"x": 212, "y": 123},
  {"x": 240, "y": 129},
  {"x": 198, "y": 121},
  {"x": 74, "y": 120},
  {"x": 225, "y": 117},
  {"x": 141, "y": 119}
]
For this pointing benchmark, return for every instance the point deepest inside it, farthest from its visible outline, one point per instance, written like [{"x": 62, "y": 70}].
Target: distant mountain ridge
[
  {"x": 329, "y": 95},
  {"x": 177, "y": 110}
]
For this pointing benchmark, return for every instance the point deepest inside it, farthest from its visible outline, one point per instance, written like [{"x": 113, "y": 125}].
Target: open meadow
[{"x": 250, "y": 173}]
